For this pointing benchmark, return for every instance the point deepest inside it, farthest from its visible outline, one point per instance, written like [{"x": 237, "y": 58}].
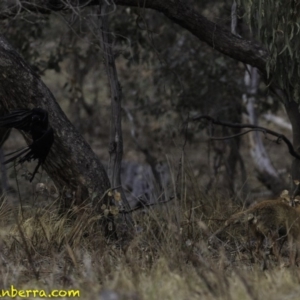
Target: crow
[{"x": 34, "y": 122}]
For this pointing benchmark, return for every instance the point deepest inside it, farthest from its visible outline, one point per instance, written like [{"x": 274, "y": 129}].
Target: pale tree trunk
[
  {"x": 278, "y": 121},
  {"x": 71, "y": 163},
  {"x": 267, "y": 174},
  {"x": 292, "y": 109}
]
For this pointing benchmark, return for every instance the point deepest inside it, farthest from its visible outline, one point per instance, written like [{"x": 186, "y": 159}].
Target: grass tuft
[{"x": 168, "y": 258}]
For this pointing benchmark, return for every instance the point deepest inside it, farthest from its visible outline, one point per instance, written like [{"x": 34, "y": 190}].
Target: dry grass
[{"x": 168, "y": 258}]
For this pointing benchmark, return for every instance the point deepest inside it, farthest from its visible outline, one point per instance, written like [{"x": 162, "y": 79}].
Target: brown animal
[{"x": 274, "y": 220}]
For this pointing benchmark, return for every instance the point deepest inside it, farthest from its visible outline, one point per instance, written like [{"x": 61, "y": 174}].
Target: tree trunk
[
  {"x": 233, "y": 157},
  {"x": 71, "y": 163},
  {"x": 116, "y": 135},
  {"x": 266, "y": 172},
  {"x": 292, "y": 109}
]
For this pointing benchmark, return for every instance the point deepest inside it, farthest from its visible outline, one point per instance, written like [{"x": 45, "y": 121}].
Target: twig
[
  {"x": 143, "y": 205},
  {"x": 235, "y": 135}
]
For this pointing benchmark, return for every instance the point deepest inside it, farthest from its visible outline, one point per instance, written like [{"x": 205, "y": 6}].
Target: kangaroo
[{"x": 271, "y": 219}]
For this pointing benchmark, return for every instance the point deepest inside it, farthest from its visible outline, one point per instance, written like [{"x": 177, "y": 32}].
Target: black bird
[{"x": 34, "y": 122}]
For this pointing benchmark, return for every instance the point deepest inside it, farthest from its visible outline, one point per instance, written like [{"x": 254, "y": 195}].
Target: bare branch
[
  {"x": 255, "y": 128},
  {"x": 144, "y": 205},
  {"x": 235, "y": 135}
]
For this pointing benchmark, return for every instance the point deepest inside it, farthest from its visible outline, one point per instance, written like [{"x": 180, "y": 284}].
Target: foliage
[{"x": 277, "y": 24}]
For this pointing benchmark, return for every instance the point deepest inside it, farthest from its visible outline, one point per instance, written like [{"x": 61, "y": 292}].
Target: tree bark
[
  {"x": 71, "y": 163},
  {"x": 116, "y": 135},
  {"x": 218, "y": 37}
]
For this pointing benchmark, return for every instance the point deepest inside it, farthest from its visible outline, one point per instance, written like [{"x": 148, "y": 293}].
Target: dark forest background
[{"x": 171, "y": 62}]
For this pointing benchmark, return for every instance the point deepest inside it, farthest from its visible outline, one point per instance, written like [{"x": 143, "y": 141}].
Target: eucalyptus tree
[
  {"x": 276, "y": 24},
  {"x": 272, "y": 49}
]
